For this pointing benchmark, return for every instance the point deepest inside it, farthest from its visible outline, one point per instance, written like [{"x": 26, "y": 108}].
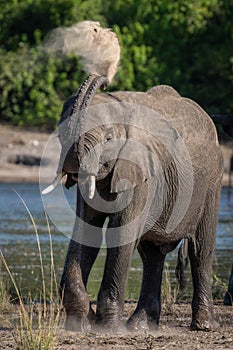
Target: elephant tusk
[
  {"x": 55, "y": 182},
  {"x": 91, "y": 186}
]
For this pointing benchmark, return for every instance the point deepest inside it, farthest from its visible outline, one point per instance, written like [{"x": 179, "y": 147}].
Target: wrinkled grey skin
[
  {"x": 199, "y": 223},
  {"x": 226, "y": 121}
]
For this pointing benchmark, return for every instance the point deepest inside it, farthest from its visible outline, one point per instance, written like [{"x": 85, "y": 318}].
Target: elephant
[
  {"x": 229, "y": 294},
  {"x": 110, "y": 167},
  {"x": 148, "y": 167}
]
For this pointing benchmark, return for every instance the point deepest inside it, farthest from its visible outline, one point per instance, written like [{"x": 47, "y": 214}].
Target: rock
[
  {"x": 34, "y": 143},
  {"x": 28, "y": 160}
]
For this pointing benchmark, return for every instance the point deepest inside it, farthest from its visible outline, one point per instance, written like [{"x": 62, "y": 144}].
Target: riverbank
[{"x": 21, "y": 150}]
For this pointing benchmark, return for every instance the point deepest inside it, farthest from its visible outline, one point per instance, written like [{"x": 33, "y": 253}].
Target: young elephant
[{"x": 150, "y": 163}]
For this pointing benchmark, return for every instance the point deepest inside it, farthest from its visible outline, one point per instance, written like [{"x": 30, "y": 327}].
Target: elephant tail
[
  {"x": 97, "y": 47},
  {"x": 182, "y": 262}
]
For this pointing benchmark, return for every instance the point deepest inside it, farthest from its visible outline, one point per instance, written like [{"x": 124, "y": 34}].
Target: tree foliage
[{"x": 184, "y": 43}]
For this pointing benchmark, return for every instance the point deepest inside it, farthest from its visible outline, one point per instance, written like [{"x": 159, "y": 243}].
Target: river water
[{"x": 19, "y": 244}]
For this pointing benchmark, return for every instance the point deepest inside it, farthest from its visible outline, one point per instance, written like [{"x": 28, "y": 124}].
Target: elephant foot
[
  {"x": 109, "y": 315},
  {"x": 110, "y": 327},
  {"x": 114, "y": 328},
  {"x": 140, "y": 322},
  {"x": 228, "y": 299},
  {"x": 76, "y": 324},
  {"x": 206, "y": 326}
]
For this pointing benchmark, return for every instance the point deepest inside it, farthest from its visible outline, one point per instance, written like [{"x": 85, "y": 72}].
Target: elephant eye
[{"x": 108, "y": 137}]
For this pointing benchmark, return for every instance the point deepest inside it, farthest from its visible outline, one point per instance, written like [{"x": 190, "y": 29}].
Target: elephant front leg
[
  {"x": 146, "y": 316},
  {"x": 75, "y": 299},
  {"x": 73, "y": 292},
  {"x": 81, "y": 255},
  {"x": 110, "y": 302}
]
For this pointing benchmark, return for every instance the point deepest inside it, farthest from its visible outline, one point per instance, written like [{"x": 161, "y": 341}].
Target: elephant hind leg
[
  {"x": 201, "y": 250},
  {"x": 146, "y": 316}
]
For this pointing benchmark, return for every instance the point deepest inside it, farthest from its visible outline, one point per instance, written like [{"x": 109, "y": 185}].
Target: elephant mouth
[
  {"x": 82, "y": 178},
  {"x": 72, "y": 179},
  {"x": 79, "y": 177}
]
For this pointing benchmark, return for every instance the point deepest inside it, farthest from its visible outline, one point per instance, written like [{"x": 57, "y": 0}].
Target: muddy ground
[{"x": 173, "y": 333}]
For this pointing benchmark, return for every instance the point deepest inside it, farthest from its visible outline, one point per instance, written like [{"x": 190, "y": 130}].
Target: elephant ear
[
  {"x": 126, "y": 175},
  {"x": 144, "y": 155}
]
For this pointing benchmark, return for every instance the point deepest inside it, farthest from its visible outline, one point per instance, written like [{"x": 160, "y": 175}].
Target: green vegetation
[
  {"x": 185, "y": 43},
  {"x": 219, "y": 287}
]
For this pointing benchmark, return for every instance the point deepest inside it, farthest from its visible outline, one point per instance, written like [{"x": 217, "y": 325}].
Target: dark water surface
[{"x": 19, "y": 245}]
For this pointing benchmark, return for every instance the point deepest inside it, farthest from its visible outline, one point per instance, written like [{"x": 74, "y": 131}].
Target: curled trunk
[{"x": 71, "y": 128}]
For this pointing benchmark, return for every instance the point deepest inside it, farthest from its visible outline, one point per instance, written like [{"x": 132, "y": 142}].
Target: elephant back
[{"x": 161, "y": 92}]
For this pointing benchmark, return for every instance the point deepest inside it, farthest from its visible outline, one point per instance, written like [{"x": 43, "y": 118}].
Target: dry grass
[
  {"x": 169, "y": 294},
  {"x": 5, "y": 305},
  {"x": 37, "y": 326}
]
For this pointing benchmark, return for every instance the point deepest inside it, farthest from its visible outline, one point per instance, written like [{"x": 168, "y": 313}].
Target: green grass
[{"x": 219, "y": 287}]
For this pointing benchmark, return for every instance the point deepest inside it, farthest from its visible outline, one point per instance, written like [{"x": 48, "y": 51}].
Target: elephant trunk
[
  {"x": 75, "y": 108},
  {"x": 72, "y": 129},
  {"x": 96, "y": 83}
]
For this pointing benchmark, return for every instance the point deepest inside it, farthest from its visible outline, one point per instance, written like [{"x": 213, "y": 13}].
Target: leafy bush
[
  {"x": 185, "y": 43},
  {"x": 27, "y": 21},
  {"x": 33, "y": 86}
]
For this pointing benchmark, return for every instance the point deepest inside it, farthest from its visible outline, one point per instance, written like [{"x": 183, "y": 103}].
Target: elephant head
[
  {"x": 70, "y": 130},
  {"x": 113, "y": 136}
]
